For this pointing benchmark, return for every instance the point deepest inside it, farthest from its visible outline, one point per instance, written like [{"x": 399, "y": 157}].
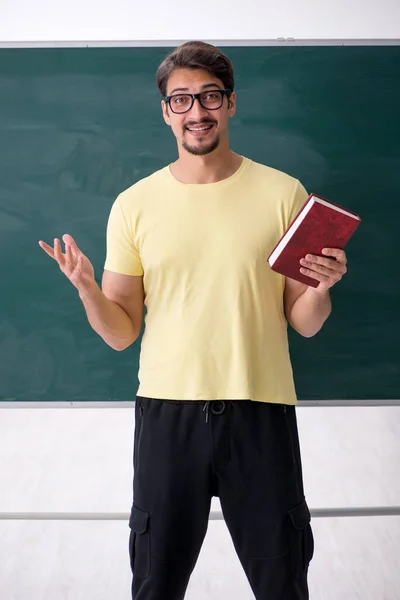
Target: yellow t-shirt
[{"x": 215, "y": 326}]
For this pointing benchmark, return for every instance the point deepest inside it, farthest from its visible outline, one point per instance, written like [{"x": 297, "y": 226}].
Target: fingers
[
  {"x": 325, "y": 266},
  {"x": 73, "y": 258},
  {"x": 72, "y": 263},
  {"x": 58, "y": 255},
  {"x": 325, "y": 270},
  {"x": 69, "y": 240},
  {"x": 319, "y": 276},
  {"x": 75, "y": 276},
  {"x": 340, "y": 255},
  {"x": 69, "y": 258},
  {"x": 48, "y": 249}
]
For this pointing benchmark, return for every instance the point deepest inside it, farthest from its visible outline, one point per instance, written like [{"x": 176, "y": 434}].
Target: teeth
[{"x": 199, "y": 128}]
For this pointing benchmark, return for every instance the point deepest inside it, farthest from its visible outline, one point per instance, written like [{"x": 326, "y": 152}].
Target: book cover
[{"x": 319, "y": 224}]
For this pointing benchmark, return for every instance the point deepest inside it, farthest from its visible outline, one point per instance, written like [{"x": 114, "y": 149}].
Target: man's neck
[{"x": 210, "y": 168}]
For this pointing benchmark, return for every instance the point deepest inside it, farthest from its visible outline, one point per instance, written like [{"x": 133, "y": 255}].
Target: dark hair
[{"x": 196, "y": 55}]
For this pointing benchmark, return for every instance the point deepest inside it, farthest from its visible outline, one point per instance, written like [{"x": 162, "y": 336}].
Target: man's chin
[{"x": 199, "y": 149}]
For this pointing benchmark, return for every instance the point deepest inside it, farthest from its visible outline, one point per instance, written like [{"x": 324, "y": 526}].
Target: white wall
[
  {"x": 79, "y": 460},
  {"x": 91, "y": 20}
]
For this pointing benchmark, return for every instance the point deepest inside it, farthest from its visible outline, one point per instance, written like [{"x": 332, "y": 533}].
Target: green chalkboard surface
[{"x": 77, "y": 126}]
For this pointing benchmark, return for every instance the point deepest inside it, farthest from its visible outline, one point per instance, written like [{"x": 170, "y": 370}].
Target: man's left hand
[{"x": 327, "y": 269}]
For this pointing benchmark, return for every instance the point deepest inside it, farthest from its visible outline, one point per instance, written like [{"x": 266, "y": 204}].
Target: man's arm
[
  {"x": 116, "y": 313},
  {"x": 307, "y": 308}
]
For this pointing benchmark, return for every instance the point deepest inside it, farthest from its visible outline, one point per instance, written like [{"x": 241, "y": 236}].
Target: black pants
[{"x": 246, "y": 453}]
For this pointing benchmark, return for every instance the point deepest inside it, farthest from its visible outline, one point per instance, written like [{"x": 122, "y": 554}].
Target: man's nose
[{"x": 197, "y": 110}]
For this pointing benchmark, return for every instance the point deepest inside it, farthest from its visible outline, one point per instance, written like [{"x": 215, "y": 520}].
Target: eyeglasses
[{"x": 210, "y": 100}]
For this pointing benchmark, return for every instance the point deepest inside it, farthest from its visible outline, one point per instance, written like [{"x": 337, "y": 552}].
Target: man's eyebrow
[
  {"x": 209, "y": 85},
  {"x": 205, "y": 86},
  {"x": 178, "y": 90}
]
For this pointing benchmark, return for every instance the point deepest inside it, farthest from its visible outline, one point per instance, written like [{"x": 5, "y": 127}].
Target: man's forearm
[
  {"x": 310, "y": 312},
  {"x": 108, "y": 319}
]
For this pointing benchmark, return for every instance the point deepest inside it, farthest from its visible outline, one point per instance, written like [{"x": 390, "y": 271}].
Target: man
[{"x": 215, "y": 411}]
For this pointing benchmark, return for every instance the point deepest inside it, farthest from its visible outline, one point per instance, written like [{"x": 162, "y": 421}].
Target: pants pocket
[
  {"x": 301, "y": 539},
  {"x": 139, "y": 543}
]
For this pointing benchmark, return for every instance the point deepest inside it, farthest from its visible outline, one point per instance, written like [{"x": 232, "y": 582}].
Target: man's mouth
[{"x": 200, "y": 127}]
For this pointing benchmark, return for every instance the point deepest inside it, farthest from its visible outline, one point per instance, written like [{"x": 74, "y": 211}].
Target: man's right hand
[{"x": 74, "y": 264}]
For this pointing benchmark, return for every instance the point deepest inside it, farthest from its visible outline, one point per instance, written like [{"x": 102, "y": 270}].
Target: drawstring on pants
[
  {"x": 206, "y": 409},
  {"x": 217, "y": 407}
]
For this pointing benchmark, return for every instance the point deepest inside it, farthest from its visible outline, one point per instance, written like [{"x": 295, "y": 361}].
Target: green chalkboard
[{"x": 77, "y": 126}]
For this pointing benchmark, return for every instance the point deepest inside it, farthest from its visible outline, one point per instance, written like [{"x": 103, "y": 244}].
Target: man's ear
[
  {"x": 165, "y": 111},
  {"x": 232, "y": 104}
]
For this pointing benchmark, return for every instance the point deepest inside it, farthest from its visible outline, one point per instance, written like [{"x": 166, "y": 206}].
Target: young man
[{"x": 215, "y": 411}]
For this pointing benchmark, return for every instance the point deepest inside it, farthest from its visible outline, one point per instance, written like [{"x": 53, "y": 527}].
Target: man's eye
[
  {"x": 211, "y": 96},
  {"x": 180, "y": 99}
]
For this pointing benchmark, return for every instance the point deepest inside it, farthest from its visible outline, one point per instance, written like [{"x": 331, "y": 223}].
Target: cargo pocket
[
  {"x": 139, "y": 543},
  {"x": 301, "y": 539}
]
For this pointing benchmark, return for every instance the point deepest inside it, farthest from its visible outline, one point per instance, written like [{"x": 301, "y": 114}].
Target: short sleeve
[
  {"x": 122, "y": 255},
  {"x": 299, "y": 198}
]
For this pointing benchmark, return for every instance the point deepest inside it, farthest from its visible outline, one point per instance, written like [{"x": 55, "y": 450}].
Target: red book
[{"x": 319, "y": 224}]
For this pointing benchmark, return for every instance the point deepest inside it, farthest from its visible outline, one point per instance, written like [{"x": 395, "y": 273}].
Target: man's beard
[{"x": 202, "y": 150}]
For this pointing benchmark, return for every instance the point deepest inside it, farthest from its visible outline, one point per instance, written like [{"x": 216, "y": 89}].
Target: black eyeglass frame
[{"x": 167, "y": 99}]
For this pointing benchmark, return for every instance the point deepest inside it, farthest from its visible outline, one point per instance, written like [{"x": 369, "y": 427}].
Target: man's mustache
[{"x": 204, "y": 121}]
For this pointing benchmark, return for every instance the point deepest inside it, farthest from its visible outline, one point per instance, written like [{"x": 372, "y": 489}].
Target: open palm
[{"x": 73, "y": 263}]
